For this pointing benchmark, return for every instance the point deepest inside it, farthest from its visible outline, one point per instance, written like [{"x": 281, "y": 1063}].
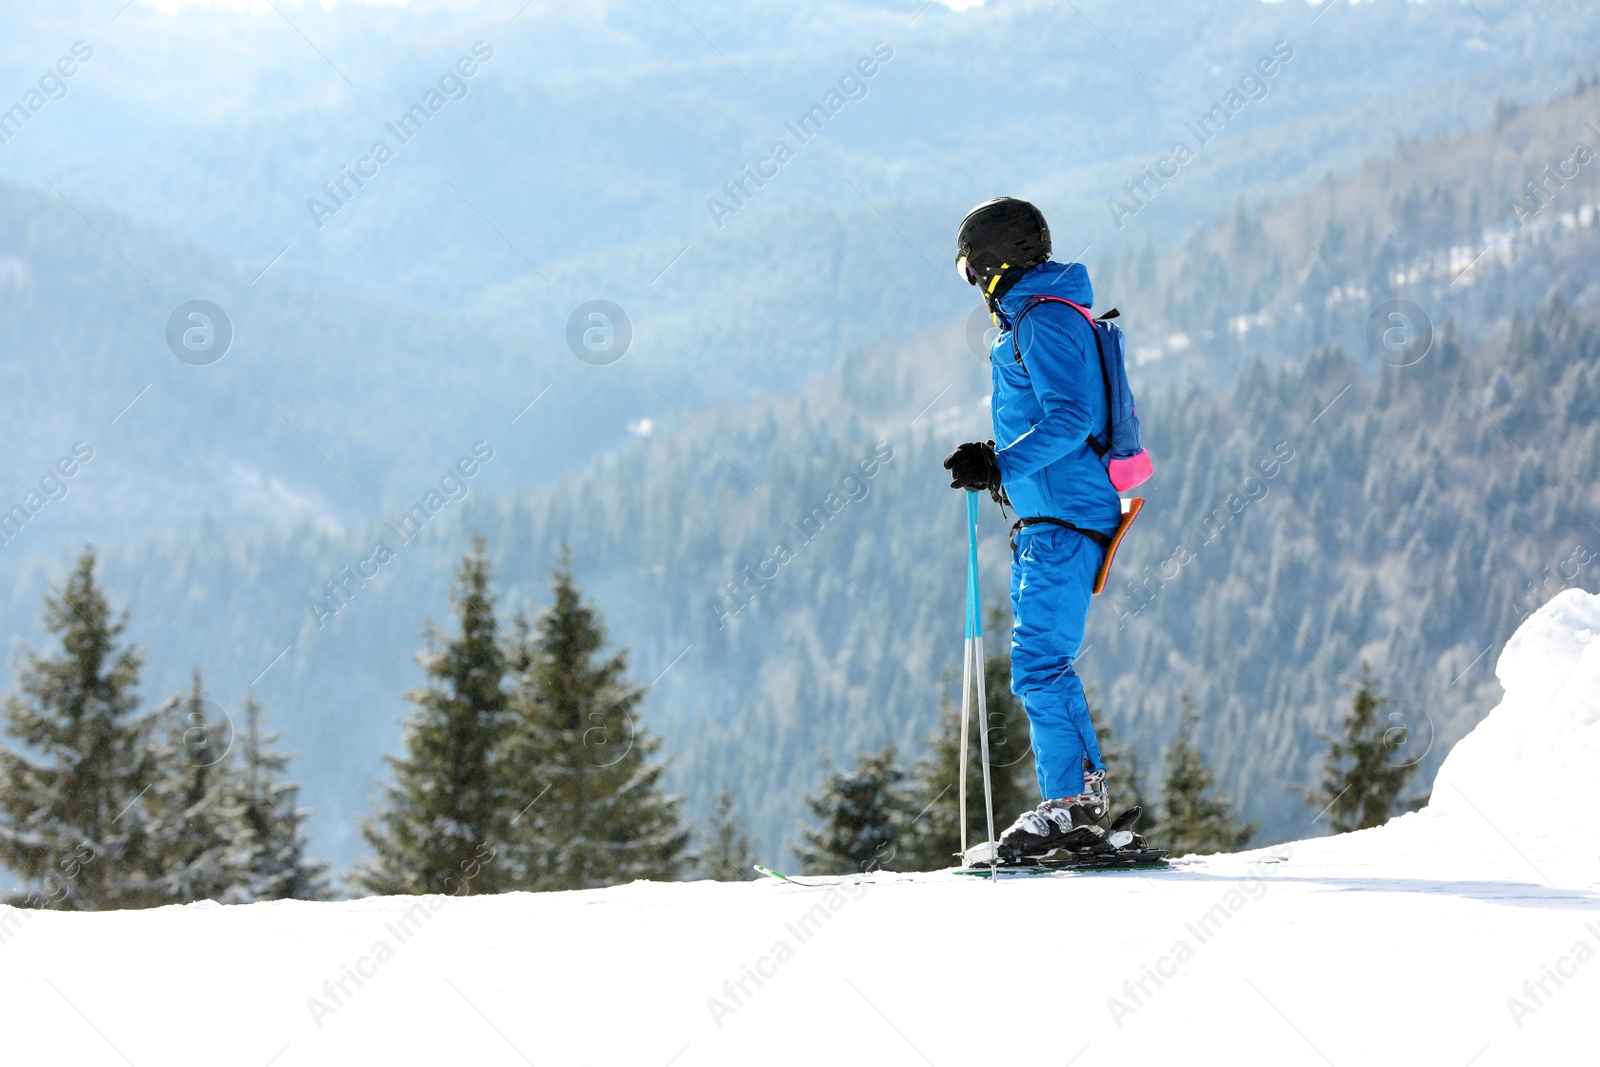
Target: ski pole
[
  {"x": 973, "y": 665},
  {"x": 966, "y": 696}
]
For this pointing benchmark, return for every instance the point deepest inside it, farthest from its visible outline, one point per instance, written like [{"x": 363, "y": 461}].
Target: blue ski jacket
[{"x": 1046, "y": 406}]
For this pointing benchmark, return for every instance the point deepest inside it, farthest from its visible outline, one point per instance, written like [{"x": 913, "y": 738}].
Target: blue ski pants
[{"x": 1052, "y": 575}]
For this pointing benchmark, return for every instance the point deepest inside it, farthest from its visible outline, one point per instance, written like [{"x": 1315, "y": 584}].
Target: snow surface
[{"x": 1464, "y": 934}]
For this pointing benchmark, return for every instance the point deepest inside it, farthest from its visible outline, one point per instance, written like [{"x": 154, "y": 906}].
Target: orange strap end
[{"x": 1133, "y": 507}]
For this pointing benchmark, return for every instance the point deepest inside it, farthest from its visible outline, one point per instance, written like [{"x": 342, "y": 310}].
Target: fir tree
[
  {"x": 859, "y": 817},
  {"x": 727, "y": 857},
  {"x": 441, "y": 813},
  {"x": 75, "y": 818},
  {"x": 275, "y": 838},
  {"x": 1194, "y": 819},
  {"x": 1361, "y": 781},
  {"x": 932, "y": 840},
  {"x": 199, "y": 811},
  {"x": 594, "y": 813}
]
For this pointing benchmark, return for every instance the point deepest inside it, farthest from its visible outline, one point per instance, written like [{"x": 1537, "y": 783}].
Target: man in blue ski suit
[{"x": 1049, "y": 397}]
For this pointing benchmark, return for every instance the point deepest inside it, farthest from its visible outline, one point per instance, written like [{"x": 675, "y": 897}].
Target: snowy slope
[{"x": 1464, "y": 934}]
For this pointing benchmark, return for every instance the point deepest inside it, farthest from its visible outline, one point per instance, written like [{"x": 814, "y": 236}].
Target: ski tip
[{"x": 769, "y": 872}]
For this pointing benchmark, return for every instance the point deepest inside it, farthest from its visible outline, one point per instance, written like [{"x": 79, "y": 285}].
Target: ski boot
[{"x": 1073, "y": 823}]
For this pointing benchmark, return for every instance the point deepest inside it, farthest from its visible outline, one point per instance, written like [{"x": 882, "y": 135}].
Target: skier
[{"x": 1049, "y": 399}]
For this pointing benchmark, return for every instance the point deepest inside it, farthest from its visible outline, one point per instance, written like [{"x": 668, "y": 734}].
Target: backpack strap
[{"x": 1096, "y": 445}]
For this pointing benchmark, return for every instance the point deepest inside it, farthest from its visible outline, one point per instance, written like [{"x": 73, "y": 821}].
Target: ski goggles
[{"x": 964, "y": 269}]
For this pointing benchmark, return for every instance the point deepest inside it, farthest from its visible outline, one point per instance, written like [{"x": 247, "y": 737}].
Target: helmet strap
[{"x": 990, "y": 300}]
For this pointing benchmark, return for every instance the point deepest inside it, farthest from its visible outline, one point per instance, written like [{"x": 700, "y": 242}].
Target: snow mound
[
  {"x": 1544, "y": 739},
  {"x": 1516, "y": 800}
]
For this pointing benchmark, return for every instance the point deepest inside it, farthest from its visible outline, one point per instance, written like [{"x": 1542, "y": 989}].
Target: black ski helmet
[{"x": 998, "y": 241}]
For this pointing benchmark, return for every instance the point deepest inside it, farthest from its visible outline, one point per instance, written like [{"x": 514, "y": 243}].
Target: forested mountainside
[
  {"x": 1324, "y": 508},
  {"x": 1472, "y": 227}
]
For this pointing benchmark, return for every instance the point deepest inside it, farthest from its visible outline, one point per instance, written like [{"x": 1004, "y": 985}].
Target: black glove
[{"x": 973, "y": 466}]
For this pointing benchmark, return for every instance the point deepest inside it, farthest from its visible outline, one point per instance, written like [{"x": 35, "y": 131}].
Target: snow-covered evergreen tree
[
  {"x": 275, "y": 839},
  {"x": 75, "y": 814},
  {"x": 860, "y": 817},
  {"x": 579, "y": 765},
  {"x": 1194, "y": 818},
  {"x": 441, "y": 812},
  {"x": 1364, "y": 775},
  {"x": 199, "y": 827},
  {"x": 726, "y": 856}
]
